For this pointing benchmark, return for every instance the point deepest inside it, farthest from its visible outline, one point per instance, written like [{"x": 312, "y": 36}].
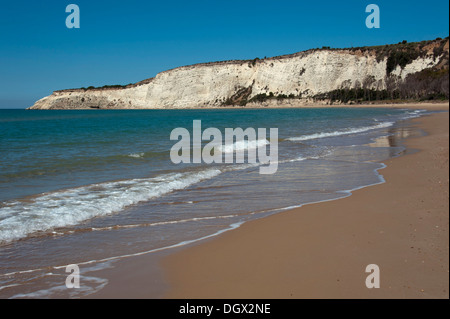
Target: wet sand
[{"x": 322, "y": 250}]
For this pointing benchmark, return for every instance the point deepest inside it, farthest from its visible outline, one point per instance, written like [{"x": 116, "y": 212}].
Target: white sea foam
[
  {"x": 90, "y": 286},
  {"x": 163, "y": 223},
  {"x": 73, "y": 206},
  {"x": 339, "y": 133},
  {"x": 136, "y": 155},
  {"x": 410, "y": 114},
  {"x": 243, "y": 145}
]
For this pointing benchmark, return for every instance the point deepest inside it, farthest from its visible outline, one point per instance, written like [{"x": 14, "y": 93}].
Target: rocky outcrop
[{"x": 299, "y": 76}]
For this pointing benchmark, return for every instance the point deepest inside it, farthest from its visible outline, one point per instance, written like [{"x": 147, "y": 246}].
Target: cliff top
[{"x": 401, "y": 54}]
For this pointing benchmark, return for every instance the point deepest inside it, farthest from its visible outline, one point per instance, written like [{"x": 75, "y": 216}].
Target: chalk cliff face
[{"x": 302, "y": 75}]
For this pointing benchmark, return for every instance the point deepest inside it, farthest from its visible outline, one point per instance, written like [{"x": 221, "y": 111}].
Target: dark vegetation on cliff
[
  {"x": 428, "y": 84},
  {"x": 109, "y": 87},
  {"x": 403, "y": 53}
]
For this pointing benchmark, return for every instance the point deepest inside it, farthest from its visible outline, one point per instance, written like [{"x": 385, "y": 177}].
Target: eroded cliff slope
[{"x": 297, "y": 78}]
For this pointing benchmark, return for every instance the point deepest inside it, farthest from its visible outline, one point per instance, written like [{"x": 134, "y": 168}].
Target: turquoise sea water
[{"x": 79, "y": 186}]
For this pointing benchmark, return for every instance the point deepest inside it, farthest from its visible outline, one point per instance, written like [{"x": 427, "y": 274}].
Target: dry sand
[{"x": 322, "y": 250}]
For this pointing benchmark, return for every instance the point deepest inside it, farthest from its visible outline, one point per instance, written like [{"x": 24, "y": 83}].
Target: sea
[{"x": 91, "y": 187}]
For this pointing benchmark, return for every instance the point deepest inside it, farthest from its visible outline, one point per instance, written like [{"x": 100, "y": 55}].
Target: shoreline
[
  {"x": 439, "y": 105},
  {"x": 258, "y": 259},
  {"x": 321, "y": 250}
]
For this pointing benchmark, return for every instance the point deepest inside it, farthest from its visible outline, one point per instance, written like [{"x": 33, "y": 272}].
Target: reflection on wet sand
[{"x": 394, "y": 137}]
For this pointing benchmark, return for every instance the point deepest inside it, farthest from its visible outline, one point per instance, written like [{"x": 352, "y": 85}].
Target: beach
[
  {"x": 322, "y": 250},
  {"x": 300, "y": 152},
  {"x": 142, "y": 227}
]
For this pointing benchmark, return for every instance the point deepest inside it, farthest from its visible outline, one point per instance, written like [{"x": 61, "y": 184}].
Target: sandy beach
[
  {"x": 238, "y": 154},
  {"x": 321, "y": 250}
]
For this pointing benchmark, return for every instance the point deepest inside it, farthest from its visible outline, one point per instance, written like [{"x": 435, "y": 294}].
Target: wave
[
  {"x": 136, "y": 155},
  {"x": 118, "y": 227},
  {"x": 243, "y": 145},
  {"x": 411, "y": 114},
  {"x": 19, "y": 219},
  {"x": 339, "y": 133}
]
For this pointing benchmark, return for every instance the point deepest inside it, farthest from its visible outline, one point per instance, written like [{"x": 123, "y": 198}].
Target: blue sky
[{"x": 120, "y": 42}]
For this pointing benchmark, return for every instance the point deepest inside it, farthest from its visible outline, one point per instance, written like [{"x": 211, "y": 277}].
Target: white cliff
[{"x": 302, "y": 75}]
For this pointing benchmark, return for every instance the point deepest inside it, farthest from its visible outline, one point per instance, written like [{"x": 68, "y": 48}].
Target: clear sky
[{"x": 120, "y": 42}]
